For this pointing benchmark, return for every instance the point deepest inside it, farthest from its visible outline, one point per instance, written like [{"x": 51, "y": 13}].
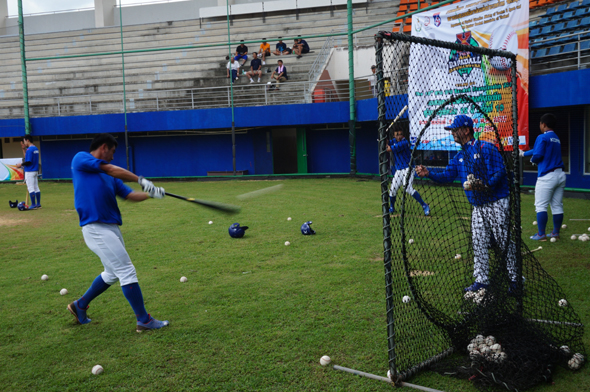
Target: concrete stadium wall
[{"x": 36, "y": 24}]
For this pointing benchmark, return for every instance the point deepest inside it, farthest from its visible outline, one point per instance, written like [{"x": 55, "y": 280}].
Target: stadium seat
[
  {"x": 557, "y": 29},
  {"x": 585, "y": 23},
  {"x": 556, "y": 18},
  {"x": 576, "y": 5},
  {"x": 585, "y": 3},
  {"x": 568, "y": 15},
  {"x": 572, "y": 25},
  {"x": 535, "y": 32},
  {"x": 580, "y": 12},
  {"x": 543, "y": 21},
  {"x": 533, "y": 3},
  {"x": 539, "y": 53},
  {"x": 550, "y": 11},
  {"x": 554, "y": 51},
  {"x": 533, "y": 23},
  {"x": 585, "y": 45},
  {"x": 569, "y": 48},
  {"x": 566, "y": 37},
  {"x": 561, "y": 7}
]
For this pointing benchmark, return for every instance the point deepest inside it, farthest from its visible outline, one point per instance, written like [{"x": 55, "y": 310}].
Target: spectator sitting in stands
[
  {"x": 242, "y": 53},
  {"x": 279, "y": 74},
  {"x": 281, "y": 48},
  {"x": 264, "y": 50},
  {"x": 300, "y": 47},
  {"x": 373, "y": 81},
  {"x": 255, "y": 68},
  {"x": 234, "y": 66}
]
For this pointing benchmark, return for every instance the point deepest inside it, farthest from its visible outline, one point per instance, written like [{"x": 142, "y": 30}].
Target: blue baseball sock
[
  {"x": 542, "y": 219},
  {"x": 557, "y": 221},
  {"x": 133, "y": 294},
  {"x": 392, "y": 202},
  {"x": 418, "y": 198},
  {"x": 38, "y": 198},
  {"x": 97, "y": 288},
  {"x": 32, "y": 194}
]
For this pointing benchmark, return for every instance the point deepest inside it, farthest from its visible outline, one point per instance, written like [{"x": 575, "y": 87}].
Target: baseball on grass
[
  {"x": 574, "y": 237},
  {"x": 389, "y": 374},
  {"x": 565, "y": 349},
  {"x": 503, "y": 38},
  {"x": 63, "y": 291},
  {"x": 589, "y": 229},
  {"x": 325, "y": 360},
  {"x": 411, "y": 241},
  {"x": 183, "y": 279},
  {"x": 457, "y": 256},
  {"x": 210, "y": 222},
  {"x": 553, "y": 239},
  {"x": 406, "y": 299},
  {"x": 535, "y": 222},
  {"x": 564, "y": 226},
  {"x": 44, "y": 277},
  {"x": 287, "y": 243},
  {"x": 562, "y": 303},
  {"x": 289, "y": 218},
  {"x": 97, "y": 369}
]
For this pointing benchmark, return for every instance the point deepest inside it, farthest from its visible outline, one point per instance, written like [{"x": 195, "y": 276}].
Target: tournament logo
[
  {"x": 418, "y": 25},
  {"x": 463, "y": 62},
  {"x": 426, "y": 21},
  {"x": 437, "y": 19}
]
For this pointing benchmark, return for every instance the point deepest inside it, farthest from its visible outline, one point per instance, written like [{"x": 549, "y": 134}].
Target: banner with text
[
  {"x": 9, "y": 171},
  {"x": 501, "y": 25}
]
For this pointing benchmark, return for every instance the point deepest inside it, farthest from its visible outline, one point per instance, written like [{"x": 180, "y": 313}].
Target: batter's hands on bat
[
  {"x": 146, "y": 185},
  {"x": 422, "y": 171},
  {"x": 157, "y": 193}
]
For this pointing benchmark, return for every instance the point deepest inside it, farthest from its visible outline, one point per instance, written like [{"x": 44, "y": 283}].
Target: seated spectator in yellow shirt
[{"x": 264, "y": 50}]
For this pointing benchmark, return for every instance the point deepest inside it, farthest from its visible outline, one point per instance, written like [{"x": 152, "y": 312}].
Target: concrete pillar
[
  {"x": 104, "y": 13},
  {"x": 3, "y": 16},
  {"x": 223, "y": 3}
]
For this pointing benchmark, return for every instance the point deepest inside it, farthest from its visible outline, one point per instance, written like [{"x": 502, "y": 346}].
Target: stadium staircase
[{"x": 167, "y": 80}]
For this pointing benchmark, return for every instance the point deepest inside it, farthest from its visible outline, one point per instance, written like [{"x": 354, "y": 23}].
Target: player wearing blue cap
[
  {"x": 31, "y": 165},
  {"x": 402, "y": 153},
  {"x": 550, "y": 178},
  {"x": 480, "y": 167},
  {"x": 96, "y": 185}
]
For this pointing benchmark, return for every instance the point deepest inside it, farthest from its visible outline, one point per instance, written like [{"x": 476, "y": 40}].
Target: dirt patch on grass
[
  {"x": 4, "y": 222},
  {"x": 421, "y": 273}
]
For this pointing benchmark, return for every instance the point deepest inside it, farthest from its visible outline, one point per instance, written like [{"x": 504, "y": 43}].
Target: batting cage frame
[{"x": 543, "y": 326}]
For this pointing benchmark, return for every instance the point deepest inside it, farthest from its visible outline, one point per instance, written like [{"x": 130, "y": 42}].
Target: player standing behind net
[
  {"x": 31, "y": 165},
  {"x": 480, "y": 168},
  {"x": 96, "y": 185},
  {"x": 550, "y": 178},
  {"x": 402, "y": 153}
]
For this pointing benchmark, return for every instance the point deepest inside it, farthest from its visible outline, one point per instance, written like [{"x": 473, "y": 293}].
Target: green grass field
[{"x": 255, "y": 315}]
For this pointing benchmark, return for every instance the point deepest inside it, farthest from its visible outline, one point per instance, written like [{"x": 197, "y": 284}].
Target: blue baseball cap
[{"x": 461, "y": 120}]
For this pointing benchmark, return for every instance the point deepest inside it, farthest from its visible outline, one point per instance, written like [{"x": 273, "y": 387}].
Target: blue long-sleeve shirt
[
  {"x": 483, "y": 160},
  {"x": 546, "y": 153},
  {"x": 401, "y": 153}
]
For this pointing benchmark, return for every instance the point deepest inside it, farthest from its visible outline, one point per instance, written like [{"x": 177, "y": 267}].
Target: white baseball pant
[
  {"x": 399, "y": 178},
  {"x": 549, "y": 191},
  {"x": 107, "y": 242},
  {"x": 32, "y": 182},
  {"x": 491, "y": 218}
]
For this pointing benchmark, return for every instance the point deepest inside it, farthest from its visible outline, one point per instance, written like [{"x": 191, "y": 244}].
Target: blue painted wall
[
  {"x": 560, "y": 89},
  {"x": 328, "y": 151}
]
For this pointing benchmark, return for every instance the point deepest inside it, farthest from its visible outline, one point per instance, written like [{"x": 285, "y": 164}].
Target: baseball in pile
[
  {"x": 44, "y": 277},
  {"x": 584, "y": 237},
  {"x": 63, "y": 291},
  {"x": 475, "y": 296},
  {"x": 325, "y": 360},
  {"x": 183, "y": 279},
  {"x": 576, "y": 362},
  {"x": 487, "y": 348},
  {"x": 574, "y": 237},
  {"x": 97, "y": 369}
]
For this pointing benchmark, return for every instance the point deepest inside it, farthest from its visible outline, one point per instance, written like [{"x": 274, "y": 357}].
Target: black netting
[{"x": 465, "y": 296}]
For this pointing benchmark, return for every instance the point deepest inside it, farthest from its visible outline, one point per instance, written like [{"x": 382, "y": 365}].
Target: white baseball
[
  {"x": 44, "y": 277},
  {"x": 63, "y": 291},
  {"x": 411, "y": 241},
  {"x": 553, "y": 239},
  {"x": 535, "y": 223},
  {"x": 576, "y": 362},
  {"x": 589, "y": 229},
  {"x": 325, "y": 360},
  {"x": 457, "y": 257},
  {"x": 210, "y": 222},
  {"x": 183, "y": 279},
  {"x": 289, "y": 218},
  {"x": 287, "y": 243},
  {"x": 490, "y": 340},
  {"x": 480, "y": 339},
  {"x": 584, "y": 239},
  {"x": 574, "y": 237},
  {"x": 503, "y": 38},
  {"x": 97, "y": 369},
  {"x": 564, "y": 226},
  {"x": 565, "y": 349},
  {"x": 496, "y": 348},
  {"x": 406, "y": 299},
  {"x": 389, "y": 374},
  {"x": 471, "y": 347},
  {"x": 562, "y": 303}
]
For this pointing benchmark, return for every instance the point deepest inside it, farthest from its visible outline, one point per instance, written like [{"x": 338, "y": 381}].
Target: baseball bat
[
  {"x": 225, "y": 208},
  {"x": 401, "y": 113}
]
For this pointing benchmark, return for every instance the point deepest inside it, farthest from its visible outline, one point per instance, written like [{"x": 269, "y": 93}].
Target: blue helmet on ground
[
  {"x": 13, "y": 204},
  {"x": 237, "y": 231},
  {"x": 22, "y": 206},
  {"x": 306, "y": 228}
]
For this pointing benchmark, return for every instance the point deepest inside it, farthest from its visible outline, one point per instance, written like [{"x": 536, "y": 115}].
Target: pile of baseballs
[
  {"x": 584, "y": 237},
  {"x": 487, "y": 348},
  {"x": 325, "y": 360},
  {"x": 576, "y": 361},
  {"x": 475, "y": 296}
]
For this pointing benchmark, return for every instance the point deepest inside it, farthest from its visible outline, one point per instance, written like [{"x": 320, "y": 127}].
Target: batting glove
[
  {"x": 146, "y": 185},
  {"x": 157, "y": 193},
  {"x": 521, "y": 153}
]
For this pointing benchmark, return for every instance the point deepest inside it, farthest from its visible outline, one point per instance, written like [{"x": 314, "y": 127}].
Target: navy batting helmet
[
  {"x": 237, "y": 231},
  {"x": 22, "y": 206},
  {"x": 13, "y": 204},
  {"x": 306, "y": 228}
]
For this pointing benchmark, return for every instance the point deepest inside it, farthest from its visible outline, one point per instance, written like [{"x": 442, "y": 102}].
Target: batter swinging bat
[{"x": 225, "y": 208}]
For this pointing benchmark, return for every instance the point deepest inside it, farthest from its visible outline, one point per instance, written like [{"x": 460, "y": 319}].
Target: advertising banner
[
  {"x": 501, "y": 25},
  {"x": 8, "y": 170}
]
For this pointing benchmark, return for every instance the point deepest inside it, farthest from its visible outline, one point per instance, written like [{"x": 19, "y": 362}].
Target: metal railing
[
  {"x": 316, "y": 68},
  {"x": 546, "y": 63},
  {"x": 252, "y": 94}
]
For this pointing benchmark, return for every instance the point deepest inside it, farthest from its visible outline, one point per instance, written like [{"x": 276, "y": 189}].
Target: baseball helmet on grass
[
  {"x": 237, "y": 231},
  {"x": 306, "y": 228}
]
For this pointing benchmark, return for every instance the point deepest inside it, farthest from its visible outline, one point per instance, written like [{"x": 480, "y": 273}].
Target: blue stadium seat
[
  {"x": 585, "y": 3},
  {"x": 557, "y": 29},
  {"x": 561, "y": 8},
  {"x": 556, "y": 18},
  {"x": 568, "y": 15},
  {"x": 585, "y": 23},
  {"x": 577, "y": 5},
  {"x": 539, "y": 53},
  {"x": 569, "y": 48},
  {"x": 543, "y": 21},
  {"x": 564, "y": 39},
  {"x": 550, "y": 11},
  {"x": 533, "y": 23},
  {"x": 572, "y": 25},
  {"x": 535, "y": 32},
  {"x": 580, "y": 13},
  {"x": 585, "y": 45},
  {"x": 535, "y": 43},
  {"x": 554, "y": 51},
  {"x": 547, "y": 30}
]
